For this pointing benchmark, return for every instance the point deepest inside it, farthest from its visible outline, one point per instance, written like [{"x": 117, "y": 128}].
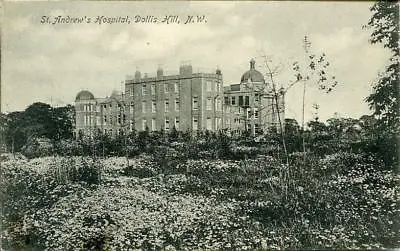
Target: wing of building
[{"x": 187, "y": 101}]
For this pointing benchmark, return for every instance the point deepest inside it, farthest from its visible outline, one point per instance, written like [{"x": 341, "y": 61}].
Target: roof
[
  {"x": 253, "y": 75},
  {"x": 84, "y": 95}
]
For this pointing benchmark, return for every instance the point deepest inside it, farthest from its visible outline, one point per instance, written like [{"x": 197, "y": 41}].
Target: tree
[
  {"x": 15, "y": 135},
  {"x": 384, "y": 99},
  {"x": 314, "y": 71},
  {"x": 271, "y": 71},
  {"x": 63, "y": 122}
]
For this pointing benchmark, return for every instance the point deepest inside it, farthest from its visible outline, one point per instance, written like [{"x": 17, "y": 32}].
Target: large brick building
[{"x": 187, "y": 101}]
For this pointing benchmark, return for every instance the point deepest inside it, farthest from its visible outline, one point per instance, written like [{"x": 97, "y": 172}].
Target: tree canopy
[{"x": 384, "y": 100}]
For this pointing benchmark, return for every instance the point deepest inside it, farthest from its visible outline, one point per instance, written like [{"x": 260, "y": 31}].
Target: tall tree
[{"x": 384, "y": 99}]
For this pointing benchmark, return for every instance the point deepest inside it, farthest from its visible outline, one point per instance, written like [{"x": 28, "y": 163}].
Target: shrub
[
  {"x": 38, "y": 147},
  {"x": 167, "y": 159}
]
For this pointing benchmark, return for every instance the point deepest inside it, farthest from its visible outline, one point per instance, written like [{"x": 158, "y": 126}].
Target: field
[{"x": 342, "y": 201}]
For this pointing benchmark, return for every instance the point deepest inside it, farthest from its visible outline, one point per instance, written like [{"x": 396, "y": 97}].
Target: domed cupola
[
  {"x": 253, "y": 75},
  {"x": 84, "y": 95}
]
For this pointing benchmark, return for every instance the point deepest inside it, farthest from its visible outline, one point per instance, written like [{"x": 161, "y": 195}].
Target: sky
[{"x": 51, "y": 63}]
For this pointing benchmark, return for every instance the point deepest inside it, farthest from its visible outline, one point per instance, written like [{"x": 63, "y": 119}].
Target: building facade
[
  {"x": 253, "y": 105},
  {"x": 187, "y": 101},
  {"x": 110, "y": 115}
]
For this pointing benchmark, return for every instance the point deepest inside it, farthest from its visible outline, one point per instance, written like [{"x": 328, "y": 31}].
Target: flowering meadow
[{"x": 342, "y": 201}]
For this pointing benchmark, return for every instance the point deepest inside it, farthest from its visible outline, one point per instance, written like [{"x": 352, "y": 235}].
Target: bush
[
  {"x": 167, "y": 159},
  {"x": 38, "y": 147}
]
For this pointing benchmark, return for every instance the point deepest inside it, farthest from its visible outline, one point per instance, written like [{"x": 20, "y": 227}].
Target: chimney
[
  {"x": 160, "y": 72},
  {"x": 185, "y": 70},
  {"x": 137, "y": 75}
]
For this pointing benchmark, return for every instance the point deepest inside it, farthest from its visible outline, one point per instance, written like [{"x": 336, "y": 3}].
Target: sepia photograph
[{"x": 199, "y": 125}]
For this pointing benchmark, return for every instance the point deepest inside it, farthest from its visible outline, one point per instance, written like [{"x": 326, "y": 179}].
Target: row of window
[
  {"x": 242, "y": 100},
  {"x": 166, "y": 106},
  {"x": 218, "y": 104},
  {"x": 210, "y": 86},
  {"x": 121, "y": 119},
  {"x": 153, "y": 125},
  {"x": 88, "y": 107},
  {"x": 153, "y": 89},
  {"x": 195, "y": 124},
  {"x": 88, "y": 120}
]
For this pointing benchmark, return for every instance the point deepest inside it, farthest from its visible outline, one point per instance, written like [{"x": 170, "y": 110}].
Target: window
[
  {"x": 143, "y": 106},
  {"x": 104, "y": 106},
  {"x": 209, "y": 124},
  {"x": 104, "y": 119},
  {"x": 209, "y": 86},
  {"x": 176, "y": 87},
  {"x": 166, "y": 123},
  {"x": 218, "y": 87},
  {"x": 167, "y": 105},
  {"x": 153, "y": 89},
  {"x": 131, "y": 108},
  {"x": 226, "y": 100},
  {"x": 208, "y": 104},
  {"x": 218, "y": 123},
  {"x": 144, "y": 91},
  {"x": 177, "y": 123},
  {"x": 195, "y": 103},
  {"x": 131, "y": 92},
  {"x": 177, "y": 104},
  {"x": 240, "y": 100},
  {"x": 153, "y": 106},
  {"x": 144, "y": 124},
  {"x": 195, "y": 124},
  {"x": 153, "y": 124},
  {"x": 256, "y": 114},
  {"x": 166, "y": 87},
  {"x": 246, "y": 101},
  {"x": 233, "y": 99},
  {"x": 119, "y": 118},
  {"x": 218, "y": 104}
]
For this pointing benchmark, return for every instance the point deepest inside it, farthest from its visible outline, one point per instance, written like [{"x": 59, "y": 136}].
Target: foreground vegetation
[{"x": 344, "y": 200}]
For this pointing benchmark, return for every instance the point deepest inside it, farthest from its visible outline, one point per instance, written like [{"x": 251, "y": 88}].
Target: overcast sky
[{"x": 52, "y": 63}]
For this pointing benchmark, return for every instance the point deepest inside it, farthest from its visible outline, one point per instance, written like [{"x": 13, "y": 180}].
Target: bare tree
[
  {"x": 314, "y": 70},
  {"x": 271, "y": 71}
]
